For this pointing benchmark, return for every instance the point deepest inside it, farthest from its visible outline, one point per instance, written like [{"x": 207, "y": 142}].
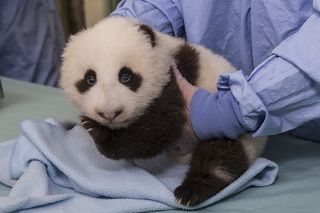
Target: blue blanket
[{"x": 53, "y": 169}]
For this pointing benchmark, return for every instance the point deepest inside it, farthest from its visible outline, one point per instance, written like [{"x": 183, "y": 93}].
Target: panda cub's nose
[{"x": 110, "y": 115}]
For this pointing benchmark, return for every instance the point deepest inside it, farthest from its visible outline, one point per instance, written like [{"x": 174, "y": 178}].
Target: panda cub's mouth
[
  {"x": 118, "y": 125},
  {"x": 115, "y": 124}
]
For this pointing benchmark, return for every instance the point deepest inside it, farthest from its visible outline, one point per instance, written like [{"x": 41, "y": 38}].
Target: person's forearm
[
  {"x": 163, "y": 15},
  {"x": 283, "y": 92}
]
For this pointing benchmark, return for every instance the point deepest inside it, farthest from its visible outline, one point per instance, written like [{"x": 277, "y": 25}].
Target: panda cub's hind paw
[
  {"x": 187, "y": 195},
  {"x": 192, "y": 193}
]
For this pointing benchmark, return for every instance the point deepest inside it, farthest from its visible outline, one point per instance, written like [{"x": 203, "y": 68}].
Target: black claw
[
  {"x": 186, "y": 197},
  {"x": 193, "y": 192},
  {"x": 88, "y": 123}
]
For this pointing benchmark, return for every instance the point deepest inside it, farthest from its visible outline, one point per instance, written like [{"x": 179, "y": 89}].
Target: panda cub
[{"x": 119, "y": 75}]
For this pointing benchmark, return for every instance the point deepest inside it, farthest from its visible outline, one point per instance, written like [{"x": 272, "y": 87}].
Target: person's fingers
[
  {"x": 183, "y": 84},
  {"x": 187, "y": 91},
  {"x": 186, "y": 88},
  {"x": 177, "y": 74}
]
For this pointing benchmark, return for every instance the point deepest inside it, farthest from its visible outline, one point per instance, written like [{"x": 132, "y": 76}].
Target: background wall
[
  {"x": 78, "y": 14},
  {"x": 96, "y": 10}
]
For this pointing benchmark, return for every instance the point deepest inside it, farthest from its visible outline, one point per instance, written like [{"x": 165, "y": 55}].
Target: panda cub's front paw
[{"x": 96, "y": 130}]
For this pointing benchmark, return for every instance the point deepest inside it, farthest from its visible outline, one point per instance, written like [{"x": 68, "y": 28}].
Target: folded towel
[{"x": 52, "y": 169}]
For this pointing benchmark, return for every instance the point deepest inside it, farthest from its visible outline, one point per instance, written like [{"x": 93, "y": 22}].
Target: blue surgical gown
[
  {"x": 31, "y": 40},
  {"x": 274, "y": 44}
]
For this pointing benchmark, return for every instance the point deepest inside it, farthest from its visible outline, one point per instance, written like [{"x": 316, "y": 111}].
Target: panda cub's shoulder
[{"x": 199, "y": 65}]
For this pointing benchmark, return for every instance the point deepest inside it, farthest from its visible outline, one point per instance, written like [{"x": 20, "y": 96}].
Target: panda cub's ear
[{"x": 149, "y": 33}]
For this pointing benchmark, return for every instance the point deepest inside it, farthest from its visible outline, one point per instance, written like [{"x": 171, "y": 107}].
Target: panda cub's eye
[
  {"x": 130, "y": 79},
  {"x": 125, "y": 78},
  {"x": 83, "y": 85},
  {"x": 90, "y": 77}
]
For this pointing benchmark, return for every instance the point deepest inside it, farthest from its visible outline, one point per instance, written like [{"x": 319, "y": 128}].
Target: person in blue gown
[
  {"x": 31, "y": 40},
  {"x": 275, "y": 46}
]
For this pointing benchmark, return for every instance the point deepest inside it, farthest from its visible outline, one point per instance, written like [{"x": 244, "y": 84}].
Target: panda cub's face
[{"x": 113, "y": 71}]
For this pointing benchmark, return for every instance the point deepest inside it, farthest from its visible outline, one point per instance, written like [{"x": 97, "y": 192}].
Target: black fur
[
  {"x": 200, "y": 183},
  {"x": 150, "y": 134},
  {"x": 135, "y": 81},
  {"x": 148, "y": 32},
  {"x": 187, "y": 59},
  {"x": 82, "y": 85}
]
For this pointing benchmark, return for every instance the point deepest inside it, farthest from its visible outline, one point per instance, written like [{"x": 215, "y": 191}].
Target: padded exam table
[{"x": 296, "y": 190}]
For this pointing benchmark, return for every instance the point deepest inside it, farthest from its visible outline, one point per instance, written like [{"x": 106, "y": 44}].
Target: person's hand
[
  {"x": 186, "y": 88},
  {"x": 207, "y": 109},
  {"x": 187, "y": 91}
]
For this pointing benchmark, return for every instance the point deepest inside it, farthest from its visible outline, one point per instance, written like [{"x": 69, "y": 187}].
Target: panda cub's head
[{"x": 113, "y": 71}]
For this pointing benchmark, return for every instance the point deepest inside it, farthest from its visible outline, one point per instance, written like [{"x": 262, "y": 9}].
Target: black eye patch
[
  {"x": 87, "y": 82},
  {"x": 129, "y": 78}
]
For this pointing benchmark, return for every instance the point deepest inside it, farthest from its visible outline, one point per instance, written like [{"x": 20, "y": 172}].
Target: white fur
[
  {"x": 222, "y": 174},
  {"x": 106, "y": 48},
  {"x": 253, "y": 146}
]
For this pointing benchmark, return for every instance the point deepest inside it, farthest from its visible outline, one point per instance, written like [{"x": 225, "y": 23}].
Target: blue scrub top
[{"x": 31, "y": 40}]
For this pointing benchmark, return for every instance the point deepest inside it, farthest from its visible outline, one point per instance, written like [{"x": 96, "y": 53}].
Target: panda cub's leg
[{"x": 214, "y": 165}]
